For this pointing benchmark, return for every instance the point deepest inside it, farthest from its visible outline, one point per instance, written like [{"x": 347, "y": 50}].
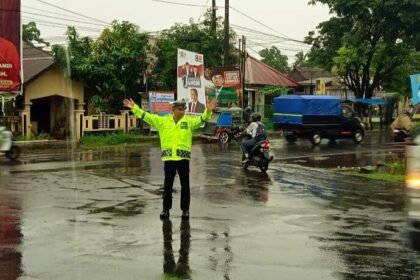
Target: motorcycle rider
[
  {"x": 403, "y": 122},
  {"x": 256, "y": 130}
]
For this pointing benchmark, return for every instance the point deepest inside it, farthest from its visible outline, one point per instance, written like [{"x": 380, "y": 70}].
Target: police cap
[{"x": 179, "y": 103}]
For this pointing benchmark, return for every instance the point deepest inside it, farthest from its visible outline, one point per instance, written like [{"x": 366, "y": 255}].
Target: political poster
[
  {"x": 224, "y": 85},
  {"x": 10, "y": 48},
  {"x": 190, "y": 81}
]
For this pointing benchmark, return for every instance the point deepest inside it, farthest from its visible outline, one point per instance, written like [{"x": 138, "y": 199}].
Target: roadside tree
[
  {"x": 273, "y": 57},
  {"x": 368, "y": 43}
]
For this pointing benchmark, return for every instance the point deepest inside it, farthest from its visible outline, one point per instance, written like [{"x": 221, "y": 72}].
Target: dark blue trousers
[{"x": 171, "y": 167}]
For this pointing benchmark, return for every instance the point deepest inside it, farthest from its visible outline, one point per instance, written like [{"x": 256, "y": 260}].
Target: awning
[{"x": 370, "y": 101}]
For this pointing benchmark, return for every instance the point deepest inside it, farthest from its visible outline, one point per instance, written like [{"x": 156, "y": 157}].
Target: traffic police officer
[{"x": 175, "y": 132}]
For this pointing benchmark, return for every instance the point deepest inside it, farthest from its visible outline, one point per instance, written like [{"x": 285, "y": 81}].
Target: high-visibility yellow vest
[{"x": 175, "y": 138}]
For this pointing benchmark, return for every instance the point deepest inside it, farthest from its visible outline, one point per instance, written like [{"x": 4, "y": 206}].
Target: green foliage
[
  {"x": 112, "y": 66},
  {"x": 274, "y": 90},
  {"x": 97, "y": 102},
  {"x": 301, "y": 59},
  {"x": 31, "y": 33},
  {"x": 415, "y": 130},
  {"x": 275, "y": 59},
  {"x": 369, "y": 43}
]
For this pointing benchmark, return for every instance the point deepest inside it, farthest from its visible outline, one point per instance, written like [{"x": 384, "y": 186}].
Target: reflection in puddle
[
  {"x": 181, "y": 268},
  {"x": 10, "y": 236}
]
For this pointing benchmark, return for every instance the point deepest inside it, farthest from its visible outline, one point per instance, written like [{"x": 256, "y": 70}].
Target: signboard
[
  {"x": 415, "y": 88},
  {"x": 320, "y": 87},
  {"x": 190, "y": 81},
  {"x": 10, "y": 48},
  {"x": 224, "y": 85},
  {"x": 159, "y": 102}
]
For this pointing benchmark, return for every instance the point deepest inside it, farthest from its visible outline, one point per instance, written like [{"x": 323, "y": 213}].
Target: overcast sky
[{"x": 264, "y": 22}]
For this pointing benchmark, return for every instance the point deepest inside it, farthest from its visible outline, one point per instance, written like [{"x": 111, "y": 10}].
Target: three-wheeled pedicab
[
  {"x": 7, "y": 146},
  {"x": 224, "y": 124}
]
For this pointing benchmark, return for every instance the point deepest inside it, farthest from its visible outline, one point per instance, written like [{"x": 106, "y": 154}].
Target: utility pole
[
  {"x": 242, "y": 65},
  {"x": 213, "y": 17},
  {"x": 226, "y": 42}
]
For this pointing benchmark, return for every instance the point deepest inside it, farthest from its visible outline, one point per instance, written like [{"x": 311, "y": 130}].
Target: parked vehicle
[
  {"x": 223, "y": 125},
  {"x": 7, "y": 147},
  {"x": 314, "y": 118}
]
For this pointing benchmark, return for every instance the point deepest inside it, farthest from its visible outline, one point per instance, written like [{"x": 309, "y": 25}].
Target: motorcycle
[
  {"x": 399, "y": 135},
  {"x": 260, "y": 154},
  {"x": 7, "y": 147}
]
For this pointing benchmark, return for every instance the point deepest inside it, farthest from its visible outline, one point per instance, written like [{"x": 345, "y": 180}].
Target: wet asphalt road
[{"x": 66, "y": 214}]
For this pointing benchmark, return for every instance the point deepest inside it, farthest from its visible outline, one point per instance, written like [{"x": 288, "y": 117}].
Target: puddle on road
[
  {"x": 348, "y": 160},
  {"x": 127, "y": 208}
]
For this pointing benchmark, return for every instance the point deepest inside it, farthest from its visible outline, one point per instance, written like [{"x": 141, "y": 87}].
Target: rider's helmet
[
  {"x": 248, "y": 110},
  {"x": 256, "y": 117},
  {"x": 409, "y": 110}
]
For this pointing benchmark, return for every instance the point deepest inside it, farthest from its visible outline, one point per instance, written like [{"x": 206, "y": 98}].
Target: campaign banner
[
  {"x": 190, "y": 81},
  {"x": 224, "y": 85},
  {"x": 415, "y": 88},
  {"x": 160, "y": 102},
  {"x": 10, "y": 47}
]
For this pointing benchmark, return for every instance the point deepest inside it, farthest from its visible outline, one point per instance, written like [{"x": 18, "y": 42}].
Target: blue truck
[{"x": 315, "y": 117}]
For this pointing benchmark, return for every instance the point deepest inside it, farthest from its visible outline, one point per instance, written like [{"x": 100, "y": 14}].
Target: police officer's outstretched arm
[
  {"x": 198, "y": 121},
  {"x": 152, "y": 119}
]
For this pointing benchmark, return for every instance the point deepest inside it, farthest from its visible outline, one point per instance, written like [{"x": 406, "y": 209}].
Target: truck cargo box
[{"x": 298, "y": 109}]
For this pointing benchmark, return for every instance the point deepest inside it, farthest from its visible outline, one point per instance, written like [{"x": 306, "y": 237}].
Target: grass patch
[
  {"x": 111, "y": 139},
  {"x": 383, "y": 176},
  {"x": 396, "y": 172},
  {"x": 40, "y": 136}
]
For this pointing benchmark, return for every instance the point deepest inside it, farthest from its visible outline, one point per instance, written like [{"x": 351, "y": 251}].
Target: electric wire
[
  {"x": 202, "y": 12},
  {"x": 72, "y": 12}
]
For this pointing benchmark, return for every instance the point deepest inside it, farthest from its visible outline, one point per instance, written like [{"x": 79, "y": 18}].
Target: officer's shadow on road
[{"x": 181, "y": 268}]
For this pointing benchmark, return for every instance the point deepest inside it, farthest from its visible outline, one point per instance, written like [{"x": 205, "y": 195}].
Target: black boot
[{"x": 164, "y": 214}]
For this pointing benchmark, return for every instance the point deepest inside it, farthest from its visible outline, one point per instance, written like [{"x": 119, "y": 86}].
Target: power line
[
  {"x": 50, "y": 12},
  {"x": 266, "y": 34},
  {"x": 60, "y": 25},
  {"x": 202, "y": 12},
  {"x": 180, "y": 4},
  {"x": 259, "y": 22},
  {"x": 72, "y": 12},
  {"x": 59, "y": 18}
]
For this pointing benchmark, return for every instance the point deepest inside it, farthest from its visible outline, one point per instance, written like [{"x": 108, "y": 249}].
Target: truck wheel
[
  {"x": 290, "y": 139},
  {"x": 316, "y": 138},
  {"x": 223, "y": 137},
  {"x": 358, "y": 136}
]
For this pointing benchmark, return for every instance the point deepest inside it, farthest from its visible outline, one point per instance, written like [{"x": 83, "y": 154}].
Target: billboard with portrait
[
  {"x": 10, "y": 47},
  {"x": 190, "y": 81},
  {"x": 224, "y": 85}
]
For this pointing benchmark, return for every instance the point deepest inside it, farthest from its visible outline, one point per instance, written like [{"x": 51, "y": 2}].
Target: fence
[{"x": 104, "y": 122}]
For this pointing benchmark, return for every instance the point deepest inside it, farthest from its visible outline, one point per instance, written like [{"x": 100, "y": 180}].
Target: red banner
[{"x": 10, "y": 46}]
